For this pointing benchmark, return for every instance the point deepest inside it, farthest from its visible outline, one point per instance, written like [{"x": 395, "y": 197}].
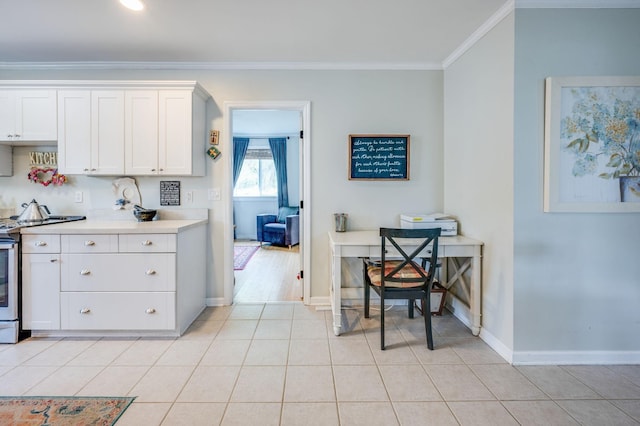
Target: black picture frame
[{"x": 379, "y": 157}]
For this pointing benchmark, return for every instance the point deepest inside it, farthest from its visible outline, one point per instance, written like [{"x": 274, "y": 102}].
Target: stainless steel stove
[{"x": 10, "y": 272}]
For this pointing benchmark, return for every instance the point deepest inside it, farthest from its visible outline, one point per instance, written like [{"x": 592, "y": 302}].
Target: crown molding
[
  {"x": 576, "y": 4},
  {"x": 494, "y": 20},
  {"x": 311, "y": 66}
]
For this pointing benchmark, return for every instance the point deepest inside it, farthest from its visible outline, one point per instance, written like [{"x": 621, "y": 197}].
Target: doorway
[{"x": 258, "y": 122}]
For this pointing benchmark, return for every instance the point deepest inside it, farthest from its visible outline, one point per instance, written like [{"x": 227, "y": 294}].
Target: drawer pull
[
  {"x": 150, "y": 272},
  {"x": 85, "y": 272},
  {"x": 147, "y": 242},
  {"x": 85, "y": 310},
  {"x": 89, "y": 243},
  {"x": 150, "y": 311},
  {"x": 53, "y": 260},
  {"x": 41, "y": 243}
]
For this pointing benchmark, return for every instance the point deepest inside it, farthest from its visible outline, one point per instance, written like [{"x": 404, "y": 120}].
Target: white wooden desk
[{"x": 461, "y": 253}]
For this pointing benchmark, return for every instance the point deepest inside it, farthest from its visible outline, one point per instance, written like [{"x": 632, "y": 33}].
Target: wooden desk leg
[
  {"x": 335, "y": 289},
  {"x": 476, "y": 294}
]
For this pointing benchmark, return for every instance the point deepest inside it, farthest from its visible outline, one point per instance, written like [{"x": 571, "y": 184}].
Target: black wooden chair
[{"x": 401, "y": 275}]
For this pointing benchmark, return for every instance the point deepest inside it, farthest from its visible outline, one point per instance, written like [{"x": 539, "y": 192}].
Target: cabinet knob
[
  {"x": 89, "y": 243},
  {"x": 9, "y": 136},
  {"x": 16, "y": 135},
  {"x": 150, "y": 311},
  {"x": 147, "y": 243},
  {"x": 150, "y": 272},
  {"x": 40, "y": 243},
  {"x": 85, "y": 170},
  {"x": 153, "y": 170},
  {"x": 93, "y": 170},
  {"x": 85, "y": 310},
  {"x": 162, "y": 170},
  {"x": 85, "y": 272},
  {"x": 53, "y": 260}
]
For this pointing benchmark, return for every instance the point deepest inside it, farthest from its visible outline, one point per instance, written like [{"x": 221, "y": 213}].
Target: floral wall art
[{"x": 592, "y": 144}]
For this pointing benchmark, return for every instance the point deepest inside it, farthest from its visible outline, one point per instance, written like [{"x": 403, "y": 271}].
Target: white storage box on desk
[{"x": 448, "y": 225}]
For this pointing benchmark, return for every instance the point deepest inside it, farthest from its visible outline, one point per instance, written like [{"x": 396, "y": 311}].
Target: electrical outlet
[
  {"x": 189, "y": 197},
  {"x": 214, "y": 194},
  {"x": 78, "y": 197}
]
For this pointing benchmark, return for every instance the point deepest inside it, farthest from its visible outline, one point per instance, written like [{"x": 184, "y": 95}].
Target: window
[{"x": 257, "y": 176}]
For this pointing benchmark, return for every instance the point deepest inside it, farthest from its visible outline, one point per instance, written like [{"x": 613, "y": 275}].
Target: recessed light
[{"x": 136, "y": 5}]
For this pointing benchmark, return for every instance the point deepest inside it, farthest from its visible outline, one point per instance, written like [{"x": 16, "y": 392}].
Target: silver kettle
[{"x": 33, "y": 212}]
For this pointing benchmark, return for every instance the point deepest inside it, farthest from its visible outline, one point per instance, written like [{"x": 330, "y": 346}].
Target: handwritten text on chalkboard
[{"x": 379, "y": 157}]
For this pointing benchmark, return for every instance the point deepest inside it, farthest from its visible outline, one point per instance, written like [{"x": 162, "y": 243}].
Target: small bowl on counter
[{"x": 144, "y": 215}]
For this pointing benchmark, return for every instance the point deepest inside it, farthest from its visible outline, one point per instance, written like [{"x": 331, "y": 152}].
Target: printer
[{"x": 448, "y": 225}]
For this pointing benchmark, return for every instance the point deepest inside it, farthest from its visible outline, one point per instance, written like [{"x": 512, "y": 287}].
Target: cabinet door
[
  {"x": 41, "y": 291},
  {"x": 175, "y": 144},
  {"x": 7, "y": 115},
  {"x": 74, "y": 131},
  {"x": 107, "y": 132},
  {"x": 141, "y": 132},
  {"x": 36, "y": 115}
]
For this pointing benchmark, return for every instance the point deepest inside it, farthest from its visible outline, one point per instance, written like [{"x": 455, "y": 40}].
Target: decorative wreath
[{"x": 46, "y": 176}]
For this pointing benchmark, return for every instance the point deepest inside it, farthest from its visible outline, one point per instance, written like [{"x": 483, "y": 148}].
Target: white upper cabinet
[
  {"x": 175, "y": 133},
  {"x": 141, "y": 132},
  {"x": 91, "y": 132},
  {"x": 28, "y": 116},
  {"x": 165, "y": 133}
]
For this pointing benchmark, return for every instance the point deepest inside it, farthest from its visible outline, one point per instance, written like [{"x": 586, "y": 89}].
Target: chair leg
[
  {"x": 382, "y": 319},
  {"x": 367, "y": 290},
  {"x": 410, "y": 306},
  {"x": 427, "y": 321}
]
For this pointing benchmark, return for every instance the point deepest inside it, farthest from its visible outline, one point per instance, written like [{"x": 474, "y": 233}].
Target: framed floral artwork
[{"x": 592, "y": 144}]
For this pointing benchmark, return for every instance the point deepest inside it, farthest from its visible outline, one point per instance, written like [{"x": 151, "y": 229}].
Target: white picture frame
[{"x": 592, "y": 144}]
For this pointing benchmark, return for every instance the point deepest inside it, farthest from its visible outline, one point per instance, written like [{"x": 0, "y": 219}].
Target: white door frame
[{"x": 305, "y": 191}]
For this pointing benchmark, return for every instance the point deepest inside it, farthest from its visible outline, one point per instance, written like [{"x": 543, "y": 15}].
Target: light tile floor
[{"x": 280, "y": 364}]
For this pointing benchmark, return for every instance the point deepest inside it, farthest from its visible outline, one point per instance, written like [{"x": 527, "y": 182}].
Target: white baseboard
[
  {"x": 575, "y": 357},
  {"x": 319, "y": 300},
  {"x": 496, "y": 345},
  {"x": 215, "y": 301}
]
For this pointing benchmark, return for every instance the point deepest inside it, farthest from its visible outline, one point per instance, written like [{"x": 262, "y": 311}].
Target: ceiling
[{"x": 409, "y": 33}]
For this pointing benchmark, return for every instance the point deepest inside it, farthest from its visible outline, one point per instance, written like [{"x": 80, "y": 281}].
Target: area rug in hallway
[
  {"x": 242, "y": 256},
  {"x": 66, "y": 410}
]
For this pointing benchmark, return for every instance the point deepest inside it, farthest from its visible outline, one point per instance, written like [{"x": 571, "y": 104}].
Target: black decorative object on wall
[{"x": 379, "y": 157}]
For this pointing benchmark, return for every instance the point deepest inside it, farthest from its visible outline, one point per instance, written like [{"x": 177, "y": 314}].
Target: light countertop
[{"x": 96, "y": 226}]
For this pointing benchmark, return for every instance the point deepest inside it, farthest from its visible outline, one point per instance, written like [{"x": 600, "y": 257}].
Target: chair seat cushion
[
  {"x": 275, "y": 227},
  {"x": 408, "y": 272}
]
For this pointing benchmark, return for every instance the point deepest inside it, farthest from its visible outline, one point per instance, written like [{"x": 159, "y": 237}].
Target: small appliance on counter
[{"x": 447, "y": 224}]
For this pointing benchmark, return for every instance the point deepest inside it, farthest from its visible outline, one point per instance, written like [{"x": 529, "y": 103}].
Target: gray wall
[{"x": 577, "y": 276}]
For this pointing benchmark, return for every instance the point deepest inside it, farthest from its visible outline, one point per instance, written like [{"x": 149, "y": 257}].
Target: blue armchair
[{"x": 282, "y": 229}]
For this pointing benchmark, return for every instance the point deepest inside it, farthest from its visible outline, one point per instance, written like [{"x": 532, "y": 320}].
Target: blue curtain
[
  {"x": 279, "y": 151},
  {"x": 239, "y": 151}
]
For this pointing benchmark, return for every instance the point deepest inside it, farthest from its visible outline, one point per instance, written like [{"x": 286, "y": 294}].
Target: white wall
[
  {"x": 577, "y": 277},
  {"x": 342, "y": 102},
  {"x": 478, "y": 175}
]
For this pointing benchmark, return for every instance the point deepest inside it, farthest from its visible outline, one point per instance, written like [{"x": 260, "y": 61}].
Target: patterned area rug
[
  {"x": 242, "y": 255},
  {"x": 68, "y": 410}
]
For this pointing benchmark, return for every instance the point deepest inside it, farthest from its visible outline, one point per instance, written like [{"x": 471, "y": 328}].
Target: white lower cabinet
[
  {"x": 118, "y": 310},
  {"x": 40, "y": 291},
  {"x": 126, "y": 284}
]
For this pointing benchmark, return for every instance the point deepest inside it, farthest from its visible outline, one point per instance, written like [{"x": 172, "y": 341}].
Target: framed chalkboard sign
[{"x": 379, "y": 157}]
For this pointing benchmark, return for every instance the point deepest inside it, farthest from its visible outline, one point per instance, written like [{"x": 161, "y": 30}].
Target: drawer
[
  {"x": 117, "y": 311},
  {"x": 392, "y": 253},
  {"x": 41, "y": 243},
  {"x": 89, "y": 243},
  {"x": 118, "y": 272},
  {"x": 148, "y": 243}
]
